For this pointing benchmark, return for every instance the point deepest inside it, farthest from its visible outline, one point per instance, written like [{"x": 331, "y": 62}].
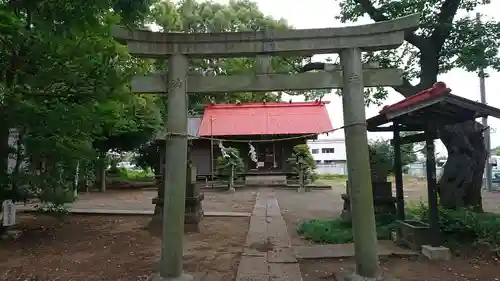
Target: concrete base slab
[
  {"x": 436, "y": 253},
  {"x": 384, "y": 248},
  {"x": 351, "y": 276},
  {"x": 285, "y": 272},
  {"x": 135, "y": 212},
  {"x": 281, "y": 255},
  {"x": 183, "y": 277},
  {"x": 252, "y": 277},
  {"x": 227, "y": 214},
  {"x": 253, "y": 252}
]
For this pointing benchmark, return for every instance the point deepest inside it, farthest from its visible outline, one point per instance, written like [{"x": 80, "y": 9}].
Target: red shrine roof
[
  {"x": 437, "y": 89},
  {"x": 274, "y": 118},
  {"x": 436, "y": 104}
]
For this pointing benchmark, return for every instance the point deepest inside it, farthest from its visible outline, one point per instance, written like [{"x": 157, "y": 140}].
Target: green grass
[
  {"x": 339, "y": 231},
  {"x": 330, "y": 179}
]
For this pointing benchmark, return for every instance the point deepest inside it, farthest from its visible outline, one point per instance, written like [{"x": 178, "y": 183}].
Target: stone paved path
[
  {"x": 329, "y": 251},
  {"x": 268, "y": 254}
]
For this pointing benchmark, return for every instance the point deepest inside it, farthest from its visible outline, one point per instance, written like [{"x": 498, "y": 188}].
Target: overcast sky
[{"x": 321, "y": 13}]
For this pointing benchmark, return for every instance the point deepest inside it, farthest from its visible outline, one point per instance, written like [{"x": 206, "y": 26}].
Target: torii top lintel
[{"x": 303, "y": 42}]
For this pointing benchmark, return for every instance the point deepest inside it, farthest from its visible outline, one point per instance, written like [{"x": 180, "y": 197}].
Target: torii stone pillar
[
  {"x": 348, "y": 41},
  {"x": 175, "y": 180},
  {"x": 358, "y": 164}
]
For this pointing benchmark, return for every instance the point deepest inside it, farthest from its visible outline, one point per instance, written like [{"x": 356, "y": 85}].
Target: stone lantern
[
  {"x": 193, "y": 206},
  {"x": 384, "y": 202}
]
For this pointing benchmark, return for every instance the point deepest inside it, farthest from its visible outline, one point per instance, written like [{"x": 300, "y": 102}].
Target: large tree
[
  {"x": 59, "y": 68},
  {"x": 448, "y": 37}
]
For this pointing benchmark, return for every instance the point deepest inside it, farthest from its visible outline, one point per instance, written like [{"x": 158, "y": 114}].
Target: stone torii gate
[{"x": 349, "y": 42}]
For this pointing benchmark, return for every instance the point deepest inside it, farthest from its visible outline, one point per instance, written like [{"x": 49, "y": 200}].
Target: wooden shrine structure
[
  {"x": 349, "y": 42},
  {"x": 424, "y": 112}
]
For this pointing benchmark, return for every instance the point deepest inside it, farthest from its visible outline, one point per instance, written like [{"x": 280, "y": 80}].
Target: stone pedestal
[
  {"x": 351, "y": 276},
  {"x": 383, "y": 201},
  {"x": 183, "y": 277},
  {"x": 436, "y": 253},
  {"x": 192, "y": 218}
]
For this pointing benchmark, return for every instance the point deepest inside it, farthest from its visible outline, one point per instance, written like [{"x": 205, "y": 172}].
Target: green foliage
[
  {"x": 463, "y": 227},
  {"x": 448, "y": 37},
  {"x": 382, "y": 155},
  {"x": 147, "y": 155},
  {"x": 339, "y": 231},
  {"x": 133, "y": 175},
  {"x": 232, "y": 161},
  {"x": 64, "y": 88},
  {"x": 301, "y": 153}
]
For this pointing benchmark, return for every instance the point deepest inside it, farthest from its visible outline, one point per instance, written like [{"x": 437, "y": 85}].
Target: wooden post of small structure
[
  {"x": 176, "y": 161},
  {"x": 432, "y": 190},
  {"x": 301, "y": 174},
  {"x": 358, "y": 164},
  {"x": 231, "y": 179},
  {"x": 398, "y": 172}
]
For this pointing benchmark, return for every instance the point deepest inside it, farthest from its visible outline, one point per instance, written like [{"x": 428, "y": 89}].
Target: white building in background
[{"x": 330, "y": 155}]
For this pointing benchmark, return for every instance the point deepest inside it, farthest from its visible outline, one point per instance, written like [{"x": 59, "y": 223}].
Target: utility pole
[
  {"x": 482, "y": 90},
  {"x": 212, "y": 161}
]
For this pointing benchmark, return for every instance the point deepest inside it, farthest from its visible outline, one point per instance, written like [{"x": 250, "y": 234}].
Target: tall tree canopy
[
  {"x": 241, "y": 15},
  {"x": 63, "y": 85},
  {"x": 448, "y": 37}
]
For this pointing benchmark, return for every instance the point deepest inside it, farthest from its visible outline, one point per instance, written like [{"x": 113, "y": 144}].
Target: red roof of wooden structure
[
  {"x": 269, "y": 118},
  {"x": 434, "y": 105}
]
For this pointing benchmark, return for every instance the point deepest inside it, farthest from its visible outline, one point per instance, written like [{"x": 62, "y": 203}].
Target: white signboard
[
  {"x": 260, "y": 164},
  {"x": 9, "y": 213}
]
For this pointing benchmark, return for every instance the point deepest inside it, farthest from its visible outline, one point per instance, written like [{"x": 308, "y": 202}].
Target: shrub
[
  {"x": 308, "y": 162},
  {"x": 463, "y": 227},
  {"x": 223, "y": 164},
  {"x": 134, "y": 175}
]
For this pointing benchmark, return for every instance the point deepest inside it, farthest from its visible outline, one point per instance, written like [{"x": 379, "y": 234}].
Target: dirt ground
[
  {"x": 415, "y": 189},
  {"x": 215, "y": 201},
  {"x": 415, "y": 269},
  {"x": 316, "y": 204},
  {"x": 118, "y": 248},
  {"x": 114, "y": 248}
]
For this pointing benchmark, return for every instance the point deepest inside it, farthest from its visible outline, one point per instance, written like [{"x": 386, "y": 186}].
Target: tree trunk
[
  {"x": 101, "y": 172},
  {"x": 461, "y": 182},
  {"x": 4, "y": 153},
  {"x": 16, "y": 174}
]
